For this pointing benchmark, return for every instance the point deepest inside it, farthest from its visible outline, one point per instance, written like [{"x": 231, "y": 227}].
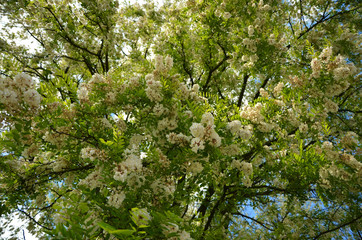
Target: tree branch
[
  {"x": 254, "y": 220},
  {"x": 338, "y": 227},
  {"x": 243, "y": 88},
  {"x": 265, "y": 82},
  {"x": 32, "y": 219}
]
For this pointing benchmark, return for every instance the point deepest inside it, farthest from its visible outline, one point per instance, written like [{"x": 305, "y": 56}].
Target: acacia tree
[{"x": 188, "y": 120}]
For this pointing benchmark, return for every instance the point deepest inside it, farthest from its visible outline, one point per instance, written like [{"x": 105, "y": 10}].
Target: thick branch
[
  {"x": 211, "y": 71},
  {"x": 213, "y": 210},
  {"x": 205, "y": 203},
  {"x": 243, "y": 88},
  {"x": 265, "y": 82}
]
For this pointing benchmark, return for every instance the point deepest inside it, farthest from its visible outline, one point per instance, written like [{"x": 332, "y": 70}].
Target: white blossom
[
  {"x": 197, "y": 130},
  {"x": 116, "y": 199},
  {"x": 197, "y": 144}
]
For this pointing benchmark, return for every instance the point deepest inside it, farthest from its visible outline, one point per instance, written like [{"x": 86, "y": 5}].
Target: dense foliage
[{"x": 197, "y": 119}]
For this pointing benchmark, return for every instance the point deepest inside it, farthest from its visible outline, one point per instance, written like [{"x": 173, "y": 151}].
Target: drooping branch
[
  {"x": 338, "y": 227},
  {"x": 33, "y": 220},
  {"x": 254, "y": 220},
  {"x": 323, "y": 19}
]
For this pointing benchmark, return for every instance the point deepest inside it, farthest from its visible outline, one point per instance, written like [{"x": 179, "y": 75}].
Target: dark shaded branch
[
  {"x": 184, "y": 65},
  {"x": 205, "y": 203},
  {"x": 33, "y": 220},
  {"x": 338, "y": 227},
  {"x": 211, "y": 71},
  {"x": 66, "y": 36},
  {"x": 38, "y": 40},
  {"x": 348, "y": 110},
  {"x": 324, "y": 19},
  {"x": 89, "y": 65},
  {"x": 291, "y": 25},
  {"x": 220, "y": 93},
  {"x": 213, "y": 210},
  {"x": 349, "y": 95},
  {"x": 254, "y": 220},
  {"x": 243, "y": 88},
  {"x": 265, "y": 82}
]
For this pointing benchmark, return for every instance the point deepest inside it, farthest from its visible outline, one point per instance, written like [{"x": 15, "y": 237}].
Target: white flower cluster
[
  {"x": 116, "y": 199},
  {"x": 245, "y": 167},
  {"x": 343, "y": 70},
  {"x": 172, "y": 228},
  {"x": 243, "y": 131},
  {"x": 105, "y": 123},
  {"x": 351, "y": 161},
  {"x": 133, "y": 82},
  {"x": 330, "y": 106},
  {"x": 253, "y": 114},
  {"x": 263, "y": 93},
  {"x": 303, "y": 128},
  {"x": 326, "y": 54},
  {"x": 163, "y": 188},
  {"x": 111, "y": 97},
  {"x": 32, "y": 98},
  {"x": 250, "y": 44},
  {"x": 24, "y": 81},
  {"x": 204, "y": 132},
  {"x": 265, "y": 127},
  {"x": 350, "y": 139},
  {"x": 133, "y": 163},
  {"x": 330, "y": 154},
  {"x": 316, "y": 67},
  {"x": 159, "y": 109},
  {"x": 167, "y": 123},
  {"x": 296, "y": 81},
  {"x": 154, "y": 88},
  {"x": 327, "y": 145},
  {"x": 250, "y": 30},
  {"x": 136, "y": 140},
  {"x": 30, "y": 151},
  {"x": 13, "y": 92},
  {"x": 231, "y": 150},
  {"x": 163, "y": 65},
  {"x": 89, "y": 153},
  {"x": 83, "y": 93},
  {"x": 195, "y": 168},
  {"x": 335, "y": 171},
  {"x": 278, "y": 88},
  {"x": 96, "y": 79},
  {"x": 339, "y": 68},
  {"x": 59, "y": 165},
  {"x": 93, "y": 180},
  {"x": 179, "y": 139},
  {"x": 56, "y": 139},
  {"x": 186, "y": 93}
]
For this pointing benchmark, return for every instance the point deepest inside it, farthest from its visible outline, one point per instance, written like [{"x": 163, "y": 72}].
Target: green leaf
[
  {"x": 108, "y": 228},
  {"x": 123, "y": 232}
]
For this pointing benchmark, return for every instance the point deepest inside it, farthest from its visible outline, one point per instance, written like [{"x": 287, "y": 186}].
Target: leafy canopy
[{"x": 191, "y": 119}]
